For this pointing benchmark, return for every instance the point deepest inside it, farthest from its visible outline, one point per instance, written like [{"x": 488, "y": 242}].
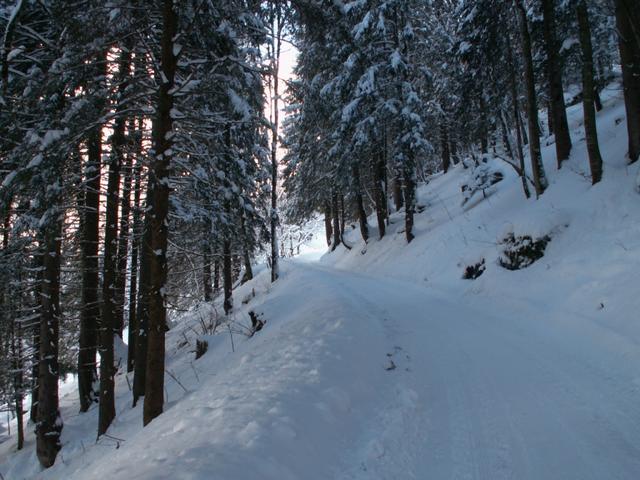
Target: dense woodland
[{"x": 139, "y": 152}]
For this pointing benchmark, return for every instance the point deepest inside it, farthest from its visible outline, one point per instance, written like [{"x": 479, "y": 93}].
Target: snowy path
[
  {"x": 358, "y": 377},
  {"x": 478, "y": 396}
]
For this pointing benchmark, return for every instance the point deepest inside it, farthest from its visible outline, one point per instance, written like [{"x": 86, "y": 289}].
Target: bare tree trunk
[
  {"x": 123, "y": 240},
  {"x": 216, "y": 275},
  {"x": 343, "y": 216},
  {"x": 518, "y": 129},
  {"x": 409, "y": 202},
  {"x": 35, "y": 333},
  {"x": 444, "y": 149},
  {"x": 9, "y": 303},
  {"x": 227, "y": 275},
  {"x": 558, "y": 115},
  {"x": 398, "y": 199},
  {"x": 248, "y": 271},
  {"x": 277, "y": 27},
  {"x": 362, "y": 214},
  {"x": 206, "y": 271},
  {"x": 107, "y": 410},
  {"x": 328, "y": 229},
  {"x": 90, "y": 306},
  {"x": 379, "y": 192},
  {"x": 154, "y": 387},
  {"x": 18, "y": 377},
  {"x": 336, "y": 221},
  {"x": 135, "y": 248},
  {"x": 629, "y": 43},
  {"x": 142, "y": 337},
  {"x": 590, "y": 128},
  {"x": 49, "y": 425},
  {"x": 539, "y": 177}
]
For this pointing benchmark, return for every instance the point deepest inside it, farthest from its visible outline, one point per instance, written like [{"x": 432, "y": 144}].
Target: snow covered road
[
  {"x": 482, "y": 395},
  {"x": 360, "y": 377}
]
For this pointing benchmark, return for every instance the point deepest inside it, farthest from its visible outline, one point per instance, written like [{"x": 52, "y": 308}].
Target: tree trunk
[
  {"x": 107, "y": 410},
  {"x": 360, "y": 211},
  {"x": 518, "y": 126},
  {"x": 246, "y": 250},
  {"x": 379, "y": 193},
  {"x": 277, "y": 26},
  {"x": 142, "y": 337},
  {"x": 336, "y": 221},
  {"x": 398, "y": 199},
  {"x": 227, "y": 276},
  {"x": 18, "y": 377},
  {"x": 135, "y": 248},
  {"x": 343, "y": 216},
  {"x": 216, "y": 275},
  {"x": 17, "y": 363},
  {"x": 123, "y": 243},
  {"x": 409, "y": 202},
  {"x": 49, "y": 425},
  {"x": 206, "y": 271},
  {"x": 453, "y": 148},
  {"x": 629, "y": 44},
  {"x": 539, "y": 177},
  {"x": 590, "y": 128},
  {"x": 248, "y": 271},
  {"x": 328, "y": 229},
  {"x": 35, "y": 333},
  {"x": 444, "y": 141},
  {"x": 554, "y": 79},
  {"x": 90, "y": 306},
  {"x": 154, "y": 387}
]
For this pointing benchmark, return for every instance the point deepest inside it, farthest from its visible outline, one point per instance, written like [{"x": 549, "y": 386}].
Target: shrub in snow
[
  {"x": 483, "y": 176},
  {"x": 201, "y": 348},
  {"x": 256, "y": 322},
  {"x": 521, "y": 251},
  {"x": 471, "y": 272}
]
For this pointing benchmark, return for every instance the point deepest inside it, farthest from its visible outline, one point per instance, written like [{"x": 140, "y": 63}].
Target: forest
[{"x": 155, "y": 157}]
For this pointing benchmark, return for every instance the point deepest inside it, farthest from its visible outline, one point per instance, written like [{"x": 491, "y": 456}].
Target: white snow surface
[{"x": 382, "y": 363}]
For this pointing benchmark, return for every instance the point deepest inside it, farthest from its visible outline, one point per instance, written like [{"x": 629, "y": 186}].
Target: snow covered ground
[{"x": 382, "y": 363}]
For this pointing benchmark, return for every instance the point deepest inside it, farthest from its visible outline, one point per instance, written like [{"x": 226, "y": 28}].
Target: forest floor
[{"x": 381, "y": 362}]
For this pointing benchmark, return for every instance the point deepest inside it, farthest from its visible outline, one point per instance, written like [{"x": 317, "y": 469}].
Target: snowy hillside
[{"x": 382, "y": 362}]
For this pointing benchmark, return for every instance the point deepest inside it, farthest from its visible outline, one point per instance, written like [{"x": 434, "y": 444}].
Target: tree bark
[
  {"x": 590, "y": 128},
  {"x": 629, "y": 44},
  {"x": 206, "y": 271},
  {"x": 518, "y": 126},
  {"x": 379, "y": 193},
  {"x": 154, "y": 387},
  {"x": 539, "y": 177},
  {"x": 336, "y": 221},
  {"x": 90, "y": 306},
  {"x": 227, "y": 276},
  {"x": 135, "y": 249},
  {"x": 444, "y": 149},
  {"x": 409, "y": 202},
  {"x": 216, "y": 275},
  {"x": 328, "y": 229},
  {"x": 49, "y": 425},
  {"x": 554, "y": 79},
  {"x": 107, "y": 410},
  {"x": 142, "y": 338},
  {"x": 360, "y": 211},
  {"x": 123, "y": 242},
  {"x": 277, "y": 27}
]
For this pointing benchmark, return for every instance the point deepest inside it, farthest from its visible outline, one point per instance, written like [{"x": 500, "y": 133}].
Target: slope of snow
[{"x": 381, "y": 362}]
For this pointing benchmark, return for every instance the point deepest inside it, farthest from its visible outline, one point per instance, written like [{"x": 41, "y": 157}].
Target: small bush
[
  {"x": 471, "y": 272},
  {"x": 201, "y": 348},
  {"x": 482, "y": 177},
  {"x": 521, "y": 251}
]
